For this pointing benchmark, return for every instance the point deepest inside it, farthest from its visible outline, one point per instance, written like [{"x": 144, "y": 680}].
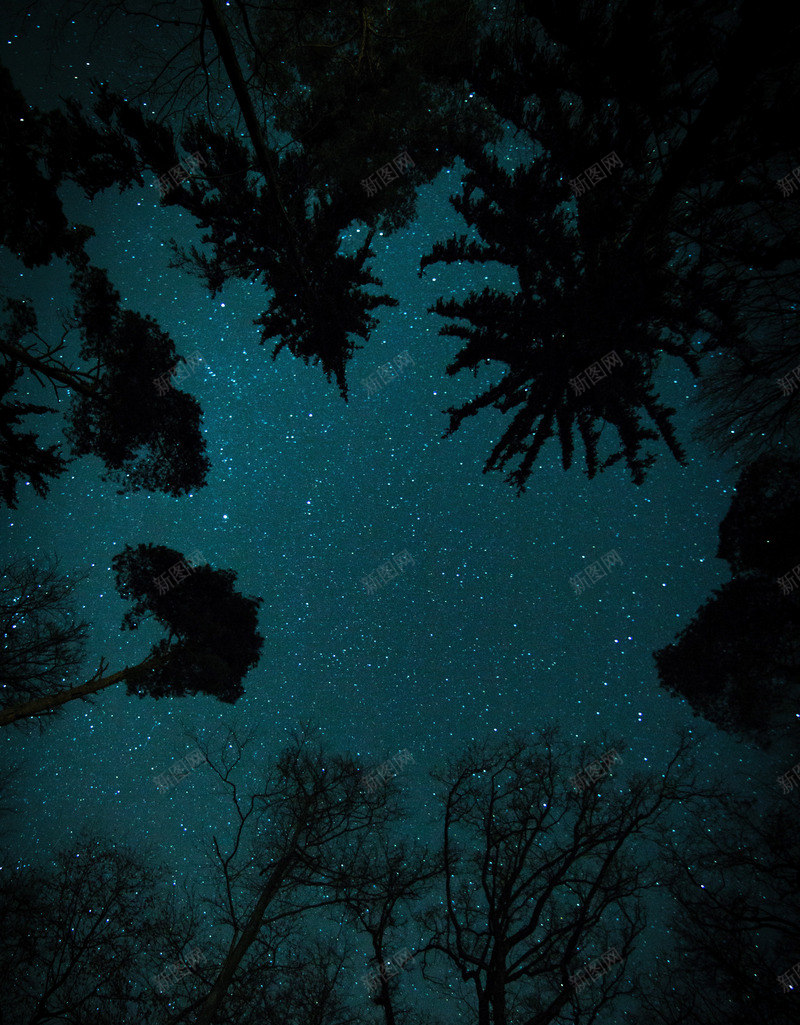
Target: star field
[{"x": 307, "y": 495}]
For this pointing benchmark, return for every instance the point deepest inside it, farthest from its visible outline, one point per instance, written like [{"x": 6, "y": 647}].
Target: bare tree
[
  {"x": 389, "y": 879},
  {"x": 734, "y": 877},
  {"x": 294, "y": 847},
  {"x": 541, "y": 879},
  {"x": 42, "y": 640},
  {"x": 81, "y": 939},
  {"x": 291, "y": 978}
]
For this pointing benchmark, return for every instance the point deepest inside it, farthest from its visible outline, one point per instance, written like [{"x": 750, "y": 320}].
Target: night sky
[{"x": 308, "y": 494}]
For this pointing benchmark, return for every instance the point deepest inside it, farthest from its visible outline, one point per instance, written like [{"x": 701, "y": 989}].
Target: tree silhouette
[
  {"x": 291, "y": 979},
  {"x": 42, "y": 640},
  {"x": 388, "y": 881},
  {"x": 759, "y": 532},
  {"x": 352, "y": 86},
  {"x": 580, "y": 299},
  {"x": 676, "y": 254},
  {"x": 349, "y": 86},
  {"x": 34, "y": 225},
  {"x": 745, "y": 412},
  {"x": 294, "y": 846},
  {"x": 738, "y": 660},
  {"x": 212, "y": 638},
  {"x": 75, "y": 936},
  {"x": 737, "y": 921},
  {"x": 21, "y": 455},
  {"x": 278, "y": 216},
  {"x": 145, "y": 440},
  {"x": 540, "y": 879},
  {"x": 265, "y": 231}
]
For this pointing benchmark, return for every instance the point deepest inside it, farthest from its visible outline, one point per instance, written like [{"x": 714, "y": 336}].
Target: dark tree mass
[
  {"x": 419, "y": 380},
  {"x": 738, "y": 661},
  {"x": 212, "y": 637}
]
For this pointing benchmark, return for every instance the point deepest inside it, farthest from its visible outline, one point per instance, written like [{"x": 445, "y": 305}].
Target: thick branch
[
  {"x": 54, "y": 373},
  {"x": 52, "y": 701}
]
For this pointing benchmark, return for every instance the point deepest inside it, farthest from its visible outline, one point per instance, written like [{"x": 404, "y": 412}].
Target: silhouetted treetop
[
  {"x": 213, "y": 640},
  {"x": 678, "y": 253},
  {"x": 276, "y": 231},
  {"x": 353, "y": 85},
  {"x": 581, "y": 298},
  {"x": 761, "y": 530},
  {"x": 738, "y": 662},
  {"x": 146, "y": 439},
  {"x": 32, "y": 221},
  {"x": 22, "y": 458}
]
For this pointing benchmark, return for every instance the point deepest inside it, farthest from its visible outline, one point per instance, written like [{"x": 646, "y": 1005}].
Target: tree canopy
[
  {"x": 668, "y": 250},
  {"x": 145, "y": 439},
  {"x": 212, "y": 637},
  {"x": 738, "y": 661},
  {"x": 212, "y": 641}
]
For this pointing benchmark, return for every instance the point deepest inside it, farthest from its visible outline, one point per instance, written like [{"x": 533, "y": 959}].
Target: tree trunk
[
  {"x": 228, "y": 54},
  {"x": 239, "y": 949},
  {"x": 386, "y": 996},
  {"x": 497, "y": 997},
  {"x": 52, "y": 701}
]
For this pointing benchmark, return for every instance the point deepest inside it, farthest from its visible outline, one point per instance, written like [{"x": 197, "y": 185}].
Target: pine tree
[
  {"x": 580, "y": 299},
  {"x": 678, "y": 253},
  {"x": 145, "y": 440}
]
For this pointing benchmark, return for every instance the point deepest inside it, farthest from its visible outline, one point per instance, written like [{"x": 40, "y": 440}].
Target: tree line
[
  {"x": 686, "y": 252},
  {"x": 316, "y": 886}
]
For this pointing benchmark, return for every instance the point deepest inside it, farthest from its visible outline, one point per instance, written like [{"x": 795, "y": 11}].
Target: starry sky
[{"x": 307, "y": 494}]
